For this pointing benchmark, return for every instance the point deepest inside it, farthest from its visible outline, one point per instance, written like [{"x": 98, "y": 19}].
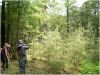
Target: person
[
  {"x": 8, "y": 48},
  {"x": 22, "y": 56},
  {"x": 5, "y": 57}
]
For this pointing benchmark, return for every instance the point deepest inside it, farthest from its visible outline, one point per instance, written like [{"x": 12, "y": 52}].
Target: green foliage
[
  {"x": 55, "y": 67},
  {"x": 88, "y": 67},
  {"x": 51, "y": 45}
]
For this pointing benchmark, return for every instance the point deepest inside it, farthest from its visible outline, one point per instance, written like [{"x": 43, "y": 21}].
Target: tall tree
[
  {"x": 8, "y": 24},
  {"x": 3, "y": 24}
]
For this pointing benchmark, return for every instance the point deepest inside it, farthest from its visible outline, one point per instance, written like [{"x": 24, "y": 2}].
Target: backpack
[{"x": 22, "y": 50}]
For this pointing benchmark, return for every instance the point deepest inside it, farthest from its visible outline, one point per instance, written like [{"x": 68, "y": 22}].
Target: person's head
[
  {"x": 20, "y": 42},
  {"x": 7, "y": 45}
]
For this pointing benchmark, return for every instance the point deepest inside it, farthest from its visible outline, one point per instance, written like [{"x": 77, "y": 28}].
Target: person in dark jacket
[{"x": 22, "y": 55}]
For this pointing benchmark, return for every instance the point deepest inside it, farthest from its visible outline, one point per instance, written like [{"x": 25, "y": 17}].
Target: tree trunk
[
  {"x": 8, "y": 25},
  {"x": 18, "y": 20},
  {"x": 3, "y": 24},
  {"x": 67, "y": 15}
]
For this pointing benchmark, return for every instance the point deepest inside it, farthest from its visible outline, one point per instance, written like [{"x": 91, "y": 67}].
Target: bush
[
  {"x": 88, "y": 67},
  {"x": 55, "y": 66}
]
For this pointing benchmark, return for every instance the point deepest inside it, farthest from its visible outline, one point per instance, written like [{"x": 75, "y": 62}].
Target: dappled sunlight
[{"x": 57, "y": 36}]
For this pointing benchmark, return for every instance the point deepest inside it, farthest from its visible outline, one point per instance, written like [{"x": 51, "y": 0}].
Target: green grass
[
  {"x": 88, "y": 67},
  {"x": 41, "y": 67},
  {"x": 32, "y": 68}
]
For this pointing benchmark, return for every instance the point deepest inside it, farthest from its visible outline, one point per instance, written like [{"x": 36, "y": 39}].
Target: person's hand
[
  {"x": 8, "y": 60},
  {"x": 10, "y": 56}
]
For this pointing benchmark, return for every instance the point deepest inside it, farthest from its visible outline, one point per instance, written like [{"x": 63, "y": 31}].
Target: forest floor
[
  {"x": 39, "y": 67},
  {"x": 33, "y": 67}
]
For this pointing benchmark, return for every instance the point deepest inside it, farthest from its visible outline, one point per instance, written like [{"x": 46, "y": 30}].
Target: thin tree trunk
[
  {"x": 18, "y": 19},
  {"x": 67, "y": 15},
  {"x": 8, "y": 25},
  {"x": 3, "y": 24}
]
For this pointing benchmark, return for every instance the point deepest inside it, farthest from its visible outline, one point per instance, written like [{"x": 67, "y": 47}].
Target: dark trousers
[
  {"x": 22, "y": 65},
  {"x": 4, "y": 63}
]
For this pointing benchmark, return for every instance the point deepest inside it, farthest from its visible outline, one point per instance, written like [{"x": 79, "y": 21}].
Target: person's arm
[
  {"x": 7, "y": 53},
  {"x": 26, "y": 46}
]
